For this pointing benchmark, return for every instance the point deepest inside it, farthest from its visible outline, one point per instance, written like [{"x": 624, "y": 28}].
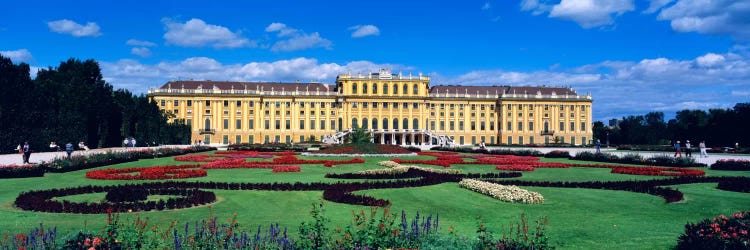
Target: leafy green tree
[{"x": 359, "y": 135}]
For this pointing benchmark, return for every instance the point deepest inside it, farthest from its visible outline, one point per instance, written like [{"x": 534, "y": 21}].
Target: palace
[{"x": 394, "y": 108}]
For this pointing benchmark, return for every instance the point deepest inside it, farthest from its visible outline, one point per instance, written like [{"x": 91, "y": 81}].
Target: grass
[{"x": 579, "y": 218}]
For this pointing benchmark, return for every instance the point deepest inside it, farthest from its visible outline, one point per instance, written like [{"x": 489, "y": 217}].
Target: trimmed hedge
[
  {"x": 662, "y": 160},
  {"x": 731, "y": 164}
]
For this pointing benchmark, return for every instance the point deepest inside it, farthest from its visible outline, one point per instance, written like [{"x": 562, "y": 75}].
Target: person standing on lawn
[
  {"x": 688, "y": 149},
  {"x": 677, "y": 150},
  {"x": 26, "y": 152}
]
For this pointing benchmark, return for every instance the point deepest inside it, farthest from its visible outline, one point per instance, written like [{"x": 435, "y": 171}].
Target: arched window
[
  {"x": 364, "y": 88},
  {"x": 406, "y": 123},
  {"x": 395, "y": 89},
  {"x": 385, "y": 89},
  {"x": 207, "y": 124},
  {"x": 415, "y": 89},
  {"x": 354, "y": 88},
  {"x": 406, "y": 89},
  {"x": 374, "y": 88},
  {"x": 395, "y": 123},
  {"x": 374, "y": 123},
  {"x": 354, "y": 123},
  {"x": 415, "y": 124},
  {"x": 364, "y": 123},
  {"x": 385, "y": 123}
]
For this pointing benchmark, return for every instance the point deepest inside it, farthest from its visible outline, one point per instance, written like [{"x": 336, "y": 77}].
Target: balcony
[
  {"x": 207, "y": 131},
  {"x": 547, "y": 132}
]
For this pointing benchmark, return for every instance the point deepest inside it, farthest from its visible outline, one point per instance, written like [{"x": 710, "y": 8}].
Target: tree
[{"x": 359, "y": 135}]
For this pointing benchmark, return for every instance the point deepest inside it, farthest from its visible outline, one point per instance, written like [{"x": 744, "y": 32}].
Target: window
[
  {"x": 509, "y": 126},
  {"x": 251, "y": 139},
  {"x": 374, "y": 105},
  {"x": 301, "y": 124},
  {"x": 364, "y": 88},
  {"x": 225, "y": 139},
  {"x": 288, "y": 138},
  {"x": 473, "y": 107},
  {"x": 267, "y": 124},
  {"x": 385, "y": 105},
  {"x": 461, "y": 126},
  {"x": 322, "y": 124},
  {"x": 473, "y": 126},
  {"x": 278, "y": 125},
  {"x": 473, "y": 140},
  {"x": 481, "y": 107},
  {"x": 415, "y": 89},
  {"x": 385, "y": 89},
  {"x": 301, "y": 104},
  {"x": 354, "y": 123},
  {"x": 333, "y": 124},
  {"x": 415, "y": 105},
  {"x": 509, "y": 107},
  {"x": 226, "y": 123},
  {"x": 406, "y": 90},
  {"x": 322, "y": 105},
  {"x": 442, "y": 106},
  {"x": 385, "y": 123},
  {"x": 364, "y": 104},
  {"x": 354, "y": 105},
  {"x": 301, "y": 138},
  {"x": 572, "y": 126},
  {"x": 583, "y": 108},
  {"x": 288, "y": 124},
  {"x": 492, "y": 126},
  {"x": 562, "y": 115},
  {"x": 251, "y": 103},
  {"x": 226, "y": 103},
  {"x": 546, "y": 107},
  {"x": 190, "y": 103},
  {"x": 451, "y": 125},
  {"x": 405, "y": 105},
  {"x": 520, "y": 140},
  {"x": 226, "y": 112},
  {"x": 278, "y": 105},
  {"x": 432, "y": 125},
  {"x": 374, "y": 88},
  {"x": 531, "y": 140},
  {"x": 238, "y": 139},
  {"x": 238, "y": 124},
  {"x": 481, "y": 126},
  {"x": 239, "y": 104},
  {"x": 415, "y": 124},
  {"x": 395, "y": 89},
  {"x": 354, "y": 88},
  {"x": 289, "y": 104},
  {"x": 176, "y": 103},
  {"x": 583, "y": 126},
  {"x": 312, "y": 124},
  {"x": 442, "y": 125},
  {"x": 531, "y": 126},
  {"x": 163, "y": 103},
  {"x": 395, "y": 123},
  {"x": 573, "y": 140},
  {"x": 251, "y": 124},
  {"x": 461, "y": 140},
  {"x": 395, "y": 105},
  {"x": 510, "y": 140},
  {"x": 374, "y": 123},
  {"x": 520, "y": 106},
  {"x": 175, "y": 111},
  {"x": 251, "y": 111},
  {"x": 562, "y": 126},
  {"x": 461, "y": 107},
  {"x": 520, "y": 126}
]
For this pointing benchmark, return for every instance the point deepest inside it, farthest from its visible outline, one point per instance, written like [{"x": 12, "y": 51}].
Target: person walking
[
  {"x": 69, "y": 149},
  {"x": 702, "y": 147},
  {"x": 126, "y": 142},
  {"x": 688, "y": 149},
  {"x": 677, "y": 150},
  {"x": 598, "y": 146},
  {"x": 26, "y": 152}
]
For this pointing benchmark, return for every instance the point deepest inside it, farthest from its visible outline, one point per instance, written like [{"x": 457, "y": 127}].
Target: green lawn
[{"x": 578, "y": 218}]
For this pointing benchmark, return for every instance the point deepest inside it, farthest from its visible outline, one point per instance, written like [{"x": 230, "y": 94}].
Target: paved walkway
[{"x": 48, "y": 156}]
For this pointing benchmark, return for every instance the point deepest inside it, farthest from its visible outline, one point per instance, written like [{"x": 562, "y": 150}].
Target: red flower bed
[
  {"x": 148, "y": 173},
  {"x": 199, "y": 158},
  {"x": 291, "y": 159},
  {"x": 515, "y": 168},
  {"x": 658, "y": 171},
  {"x": 236, "y": 163},
  {"x": 550, "y": 165},
  {"x": 286, "y": 169}
]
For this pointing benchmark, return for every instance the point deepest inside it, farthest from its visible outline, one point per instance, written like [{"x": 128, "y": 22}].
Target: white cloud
[
  {"x": 709, "y": 17},
  {"x": 655, "y": 5},
  {"x": 133, "y": 75},
  {"x": 21, "y": 55},
  {"x": 65, "y": 26},
  {"x": 621, "y": 88},
  {"x": 364, "y": 30},
  {"x": 587, "y": 13},
  {"x": 197, "y": 33},
  {"x": 136, "y": 42},
  {"x": 141, "y": 51},
  {"x": 709, "y": 60},
  {"x": 296, "y": 39}
]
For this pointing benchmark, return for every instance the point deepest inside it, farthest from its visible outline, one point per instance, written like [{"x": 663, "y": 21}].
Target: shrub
[
  {"x": 557, "y": 154},
  {"x": 20, "y": 171},
  {"x": 509, "y": 193},
  {"x": 731, "y": 164},
  {"x": 126, "y": 194},
  {"x": 717, "y": 233}
]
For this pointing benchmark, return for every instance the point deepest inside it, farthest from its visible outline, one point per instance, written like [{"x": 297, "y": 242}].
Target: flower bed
[
  {"x": 286, "y": 169},
  {"x": 148, "y": 173},
  {"x": 515, "y": 168},
  {"x": 364, "y": 148},
  {"x": 731, "y": 164},
  {"x": 657, "y": 171},
  {"x": 20, "y": 171},
  {"x": 717, "y": 233},
  {"x": 502, "y": 192}
]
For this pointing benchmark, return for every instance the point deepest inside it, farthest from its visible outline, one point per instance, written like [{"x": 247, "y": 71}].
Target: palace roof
[
  {"x": 461, "y": 89},
  {"x": 261, "y": 86}
]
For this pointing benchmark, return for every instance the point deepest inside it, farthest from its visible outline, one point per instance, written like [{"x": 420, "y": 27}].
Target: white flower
[{"x": 502, "y": 192}]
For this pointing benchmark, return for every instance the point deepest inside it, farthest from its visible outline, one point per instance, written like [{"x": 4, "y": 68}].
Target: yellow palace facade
[{"x": 394, "y": 108}]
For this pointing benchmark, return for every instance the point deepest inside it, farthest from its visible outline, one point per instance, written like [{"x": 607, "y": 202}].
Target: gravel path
[{"x": 47, "y": 156}]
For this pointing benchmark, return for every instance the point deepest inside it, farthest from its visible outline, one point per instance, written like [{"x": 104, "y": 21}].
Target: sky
[{"x": 632, "y": 56}]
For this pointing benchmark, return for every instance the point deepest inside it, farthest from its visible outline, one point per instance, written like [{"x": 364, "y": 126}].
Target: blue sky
[{"x": 633, "y": 56}]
